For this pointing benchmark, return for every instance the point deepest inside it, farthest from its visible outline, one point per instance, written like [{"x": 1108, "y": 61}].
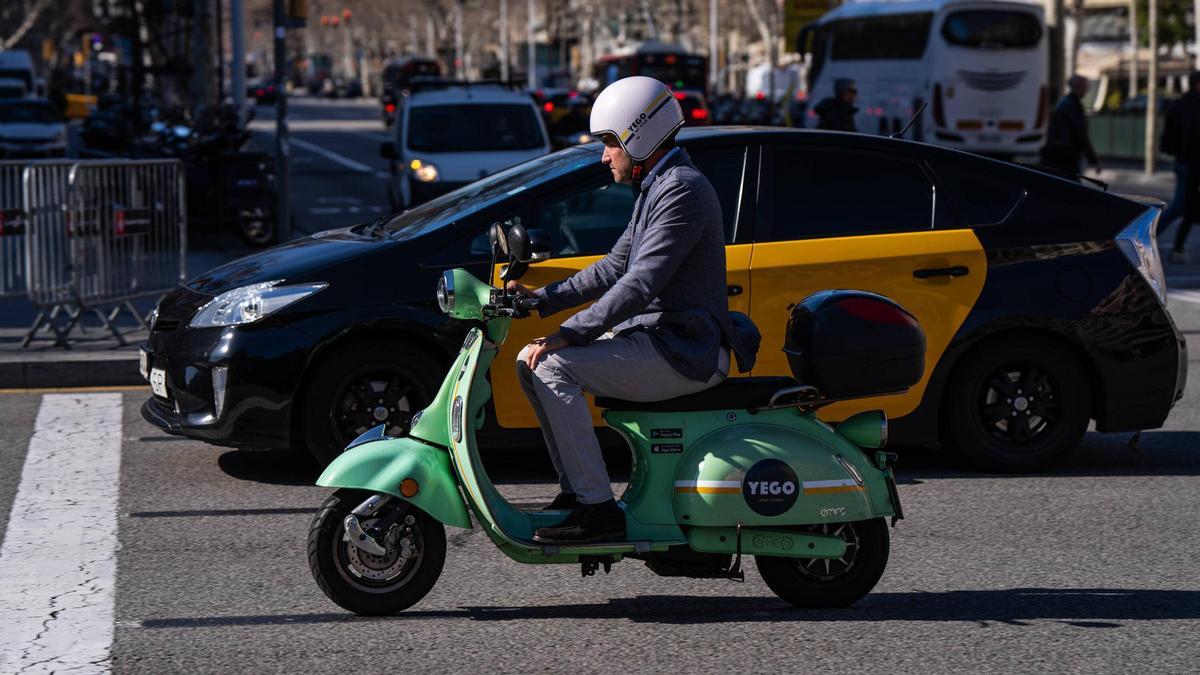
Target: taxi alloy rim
[
  {"x": 372, "y": 398},
  {"x": 1017, "y": 403}
]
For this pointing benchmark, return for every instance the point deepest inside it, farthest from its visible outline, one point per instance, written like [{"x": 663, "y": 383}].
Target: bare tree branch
[{"x": 30, "y": 19}]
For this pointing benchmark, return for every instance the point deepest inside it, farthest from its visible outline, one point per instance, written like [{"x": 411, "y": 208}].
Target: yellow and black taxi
[{"x": 1043, "y": 299}]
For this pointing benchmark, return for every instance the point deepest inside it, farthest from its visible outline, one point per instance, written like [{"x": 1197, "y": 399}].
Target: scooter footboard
[{"x": 406, "y": 468}]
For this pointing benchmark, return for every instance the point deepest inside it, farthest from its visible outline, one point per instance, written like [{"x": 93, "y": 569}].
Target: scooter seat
[{"x": 735, "y": 393}]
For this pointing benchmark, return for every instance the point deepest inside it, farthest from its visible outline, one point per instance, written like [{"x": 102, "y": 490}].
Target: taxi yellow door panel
[
  {"x": 843, "y": 218},
  {"x": 784, "y": 273},
  {"x": 512, "y": 409}
]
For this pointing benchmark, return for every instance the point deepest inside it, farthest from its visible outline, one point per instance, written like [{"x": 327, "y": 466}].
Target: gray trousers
[{"x": 627, "y": 367}]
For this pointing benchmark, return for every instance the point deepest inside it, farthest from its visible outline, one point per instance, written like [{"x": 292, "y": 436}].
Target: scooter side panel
[
  {"x": 380, "y": 466},
  {"x": 782, "y": 468}
]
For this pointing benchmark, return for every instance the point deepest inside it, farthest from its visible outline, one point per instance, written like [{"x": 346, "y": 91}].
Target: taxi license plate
[
  {"x": 144, "y": 364},
  {"x": 158, "y": 382}
]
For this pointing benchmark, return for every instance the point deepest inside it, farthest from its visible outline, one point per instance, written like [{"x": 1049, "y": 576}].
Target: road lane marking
[
  {"x": 58, "y": 560},
  {"x": 332, "y": 156},
  {"x": 1192, "y": 297}
]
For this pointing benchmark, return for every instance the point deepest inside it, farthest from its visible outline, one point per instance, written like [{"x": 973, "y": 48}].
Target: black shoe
[
  {"x": 565, "y": 501},
  {"x": 587, "y": 524}
]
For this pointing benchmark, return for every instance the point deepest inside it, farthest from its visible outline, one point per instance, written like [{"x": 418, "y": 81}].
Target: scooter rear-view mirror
[
  {"x": 519, "y": 247},
  {"x": 499, "y": 238}
]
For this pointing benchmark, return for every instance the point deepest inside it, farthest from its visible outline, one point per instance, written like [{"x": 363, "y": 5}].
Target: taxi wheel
[
  {"x": 1017, "y": 404},
  {"x": 362, "y": 386}
]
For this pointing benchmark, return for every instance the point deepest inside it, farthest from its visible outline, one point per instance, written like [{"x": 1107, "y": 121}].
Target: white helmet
[{"x": 640, "y": 112}]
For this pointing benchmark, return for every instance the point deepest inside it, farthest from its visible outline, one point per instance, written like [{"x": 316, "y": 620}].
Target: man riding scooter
[{"x": 660, "y": 326}]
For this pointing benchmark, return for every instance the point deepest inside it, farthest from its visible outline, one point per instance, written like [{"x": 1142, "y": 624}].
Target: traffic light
[{"x": 345, "y": 16}]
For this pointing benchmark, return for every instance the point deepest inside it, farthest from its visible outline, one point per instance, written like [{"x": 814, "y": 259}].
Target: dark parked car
[
  {"x": 263, "y": 91},
  {"x": 1042, "y": 299}
]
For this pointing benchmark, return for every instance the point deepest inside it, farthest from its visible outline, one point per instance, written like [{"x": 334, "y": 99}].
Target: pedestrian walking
[
  {"x": 1067, "y": 140},
  {"x": 1180, "y": 140},
  {"x": 836, "y": 113}
]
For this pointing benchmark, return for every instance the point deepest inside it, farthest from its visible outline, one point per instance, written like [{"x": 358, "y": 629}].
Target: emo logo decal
[{"x": 770, "y": 487}]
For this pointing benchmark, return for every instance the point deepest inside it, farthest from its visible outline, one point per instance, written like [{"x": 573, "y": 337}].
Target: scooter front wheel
[
  {"x": 375, "y": 585},
  {"x": 821, "y": 583}
]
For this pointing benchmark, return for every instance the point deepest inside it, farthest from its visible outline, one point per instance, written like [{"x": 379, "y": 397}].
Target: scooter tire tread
[
  {"x": 785, "y": 580},
  {"x": 326, "y": 523}
]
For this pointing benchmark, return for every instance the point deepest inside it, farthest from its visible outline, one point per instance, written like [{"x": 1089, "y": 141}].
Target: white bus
[{"x": 979, "y": 65}]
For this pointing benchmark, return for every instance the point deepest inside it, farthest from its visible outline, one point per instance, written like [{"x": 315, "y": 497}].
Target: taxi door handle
[
  {"x": 956, "y": 271},
  {"x": 733, "y": 290}
]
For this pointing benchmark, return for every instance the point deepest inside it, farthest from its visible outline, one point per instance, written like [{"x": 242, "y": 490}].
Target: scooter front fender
[{"x": 380, "y": 466}]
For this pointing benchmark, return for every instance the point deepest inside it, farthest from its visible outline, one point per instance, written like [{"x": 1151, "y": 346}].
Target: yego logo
[{"x": 770, "y": 487}]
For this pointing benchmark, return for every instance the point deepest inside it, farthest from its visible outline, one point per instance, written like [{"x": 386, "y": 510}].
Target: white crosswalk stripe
[{"x": 58, "y": 560}]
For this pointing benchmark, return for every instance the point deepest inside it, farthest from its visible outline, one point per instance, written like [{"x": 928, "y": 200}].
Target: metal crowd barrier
[
  {"x": 97, "y": 235},
  {"x": 12, "y": 230}
]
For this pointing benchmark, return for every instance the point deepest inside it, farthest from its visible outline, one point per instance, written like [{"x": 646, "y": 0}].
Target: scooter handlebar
[{"x": 527, "y": 303}]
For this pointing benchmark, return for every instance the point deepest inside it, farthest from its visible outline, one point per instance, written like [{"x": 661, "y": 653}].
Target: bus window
[
  {"x": 820, "y": 50},
  {"x": 992, "y": 29},
  {"x": 895, "y": 36}
]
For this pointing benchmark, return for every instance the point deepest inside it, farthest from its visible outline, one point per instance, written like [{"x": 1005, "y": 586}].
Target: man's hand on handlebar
[{"x": 518, "y": 288}]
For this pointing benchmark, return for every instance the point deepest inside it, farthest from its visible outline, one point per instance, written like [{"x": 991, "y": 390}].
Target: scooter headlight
[{"x": 445, "y": 292}]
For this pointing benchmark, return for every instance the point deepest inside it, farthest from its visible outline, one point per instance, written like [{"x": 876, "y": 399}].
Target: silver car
[{"x": 31, "y": 128}]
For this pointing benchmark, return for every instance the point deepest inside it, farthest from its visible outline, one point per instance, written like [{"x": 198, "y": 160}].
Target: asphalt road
[{"x": 1090, "y": 567}]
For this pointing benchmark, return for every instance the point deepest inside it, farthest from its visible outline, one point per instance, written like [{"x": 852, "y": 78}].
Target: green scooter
[{"x": 744, "y": 468}]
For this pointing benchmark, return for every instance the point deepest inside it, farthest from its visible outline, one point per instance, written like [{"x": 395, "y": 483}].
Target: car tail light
[
  {"x": 259, "y": 92},
  {"x": 699, "y": 114},
  {"x": 1137, "y": 242},
  {"x": 939, "y": 108},
  {"x": 1043, "y": 104}
]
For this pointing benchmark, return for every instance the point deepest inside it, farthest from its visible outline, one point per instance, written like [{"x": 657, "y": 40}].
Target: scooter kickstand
[
  {"x": 735, "y": 572},
  {"x": 589, "y": 564}
]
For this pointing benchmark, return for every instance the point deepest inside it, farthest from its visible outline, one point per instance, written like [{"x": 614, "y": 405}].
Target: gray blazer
[{"x": 666, "y": 276}]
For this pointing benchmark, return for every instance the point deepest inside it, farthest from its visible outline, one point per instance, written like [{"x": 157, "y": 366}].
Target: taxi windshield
[{"x": 455, "y": 205}]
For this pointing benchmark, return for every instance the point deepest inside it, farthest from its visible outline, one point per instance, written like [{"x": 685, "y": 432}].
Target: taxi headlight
[{"x": 251, "y": 303}]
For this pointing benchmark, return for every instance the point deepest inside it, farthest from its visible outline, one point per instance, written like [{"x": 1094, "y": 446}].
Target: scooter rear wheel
[
  {"x": 822, "y": 583},
  {"x": 375, "y": 585}
]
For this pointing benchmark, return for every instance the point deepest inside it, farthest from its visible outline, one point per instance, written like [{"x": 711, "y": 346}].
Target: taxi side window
[
  {"x": 589, "y": 221},
  {"x": 585, "y": 221},
  {"x": 808, "y": 193},
  {"x": 724, "y": 168}
]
